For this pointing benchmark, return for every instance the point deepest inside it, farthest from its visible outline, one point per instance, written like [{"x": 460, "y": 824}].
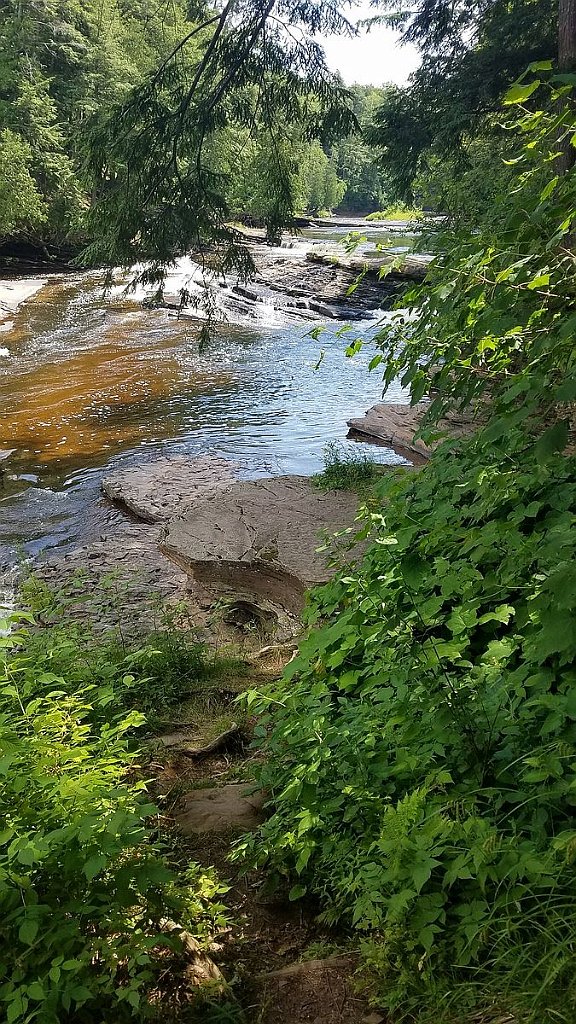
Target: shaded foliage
[
  {"x": 471, "y": 52},
  {"x": 85, "y": 883}
]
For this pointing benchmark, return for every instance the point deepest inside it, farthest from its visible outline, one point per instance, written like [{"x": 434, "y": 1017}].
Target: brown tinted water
[{"x": 92, "y": 383}]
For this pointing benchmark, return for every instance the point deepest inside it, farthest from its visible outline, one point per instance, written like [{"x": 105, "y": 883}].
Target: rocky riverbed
[
  {"x": 236, "y": 556},
  {"x": 96, "y": 388}
]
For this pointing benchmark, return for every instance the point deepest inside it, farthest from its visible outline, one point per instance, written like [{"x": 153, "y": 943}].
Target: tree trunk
[
  {"x": 566, "y": 63},
  {"x": 567, "y": 35}
]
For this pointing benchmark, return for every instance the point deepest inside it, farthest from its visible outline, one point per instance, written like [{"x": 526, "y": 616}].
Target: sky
[{"x": 373, "y": 58}]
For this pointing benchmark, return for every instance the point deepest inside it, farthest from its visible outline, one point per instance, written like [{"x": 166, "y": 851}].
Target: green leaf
[
  {"x": 296, "y": 892},
  {"x": 519, "y": 93},
  {"x": 94, "y": 865},
  {"x": 413, "y": 570},
  {"x": 35, "y": 991},
  {"x": 539, "y": 282},
  {"x": 549, "y": 188},
  {"x": 501, "y": 614},
  {"x": 552, "y": 440},
  {"x": 540, "y": 65},
  {"x": 567, "y": 390},
  {"x": 28, "y": 931}
]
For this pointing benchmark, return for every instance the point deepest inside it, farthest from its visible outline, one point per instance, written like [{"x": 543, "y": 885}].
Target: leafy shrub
[
  {"x": 422, "y": 764},
  {"x": 150, "y": 676},
  {"x": 423, "y": 744},
  {"x": 84, "y": 885},
  {"x": 398, "y": 211}
]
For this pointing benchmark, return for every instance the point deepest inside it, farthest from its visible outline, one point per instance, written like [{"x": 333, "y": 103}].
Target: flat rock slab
[
  {"x": 396, "y": 425},
  {"x": 17, "y": 291},
  {"x": 157, "y": 490},
  {"x": 221, "y": 808},
  {"x": 260, "y": 537}
]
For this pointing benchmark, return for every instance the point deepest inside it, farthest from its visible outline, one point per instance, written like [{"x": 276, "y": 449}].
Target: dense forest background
[
  {"x": 69, "y": 66},
  {"x": 64, "y": 67}
]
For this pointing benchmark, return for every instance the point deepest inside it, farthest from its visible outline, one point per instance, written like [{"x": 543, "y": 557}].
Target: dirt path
[{"x": 283, "y": 967}]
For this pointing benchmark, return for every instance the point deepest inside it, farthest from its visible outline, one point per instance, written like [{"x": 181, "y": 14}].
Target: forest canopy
[
  {"x": 73, "y": 73},
  {"x": 244, "y": 117}
]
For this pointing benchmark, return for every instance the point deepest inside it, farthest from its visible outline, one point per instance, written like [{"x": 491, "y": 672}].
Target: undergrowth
[
  {"x": 398, "y": 211},
  {"x": 87, "y": 882},
  {"x": 150, "y": 673},
  {"x": 422, "y": 747}
]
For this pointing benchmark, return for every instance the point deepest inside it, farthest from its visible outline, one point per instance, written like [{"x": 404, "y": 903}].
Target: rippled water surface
[{"x": 92, "y": 384}]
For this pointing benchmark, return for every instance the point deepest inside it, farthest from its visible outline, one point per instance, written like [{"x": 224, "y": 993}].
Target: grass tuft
[{"x": 346, "y": 471}]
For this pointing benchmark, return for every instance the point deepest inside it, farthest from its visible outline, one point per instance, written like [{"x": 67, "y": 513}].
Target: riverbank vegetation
[
  {"x": 96, "y": 902},
  {"x": 344, "y": 470},
  {"x": 398, "y": 211},
  {"x": 422, "y": 746}
]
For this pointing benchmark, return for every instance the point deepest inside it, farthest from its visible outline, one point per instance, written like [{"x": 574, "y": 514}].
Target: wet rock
[
  {"x": 322, "y": 309},
  {"x": 221, "y": 808},
  {"x": 16, "y": 292},
  {"x": 157, "y": 490},
  {"x": 323, "y": 282},
  {"x": 395, "y": 425},
  {"x": 247, "y": 293},
  {"x": 260, "y": 537},
  {"x": 410, "y": 267}
]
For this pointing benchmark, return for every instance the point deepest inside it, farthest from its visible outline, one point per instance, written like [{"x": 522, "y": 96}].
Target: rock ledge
[
  {"x": 395, "y": 425},
  {"x": 260, "y": 537}
]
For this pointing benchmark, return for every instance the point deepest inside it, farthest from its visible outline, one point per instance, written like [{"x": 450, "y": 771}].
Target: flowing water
[{"x": 91, "y": 384}]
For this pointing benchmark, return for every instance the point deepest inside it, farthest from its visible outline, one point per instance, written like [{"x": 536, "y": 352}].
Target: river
[{"x": 92, "y": 383}]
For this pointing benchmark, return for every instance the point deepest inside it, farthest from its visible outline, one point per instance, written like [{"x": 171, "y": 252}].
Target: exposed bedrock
[
  {"x": 157, "y": 490},
  {"x": 396, "y": 425},
  {"x": 260, "y": 537}
]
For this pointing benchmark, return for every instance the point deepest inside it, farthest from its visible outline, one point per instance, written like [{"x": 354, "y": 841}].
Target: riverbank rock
[
  {"x": 260, "y": 537},
  {"x": 395, "y": 425},
  {"x": 157, "y": 490},
  {"x": 412, "y": 267},
  {"x": 118, "y": 582},
  {"x": 322, "y": 284},
  {"x": 14, "y": 293}
]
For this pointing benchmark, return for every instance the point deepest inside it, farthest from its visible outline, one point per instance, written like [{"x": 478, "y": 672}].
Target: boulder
[
  {"x": 157, "y": 490},
  {"x": 221, "y": 808},
  {"x": 260, "y": 537}
]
